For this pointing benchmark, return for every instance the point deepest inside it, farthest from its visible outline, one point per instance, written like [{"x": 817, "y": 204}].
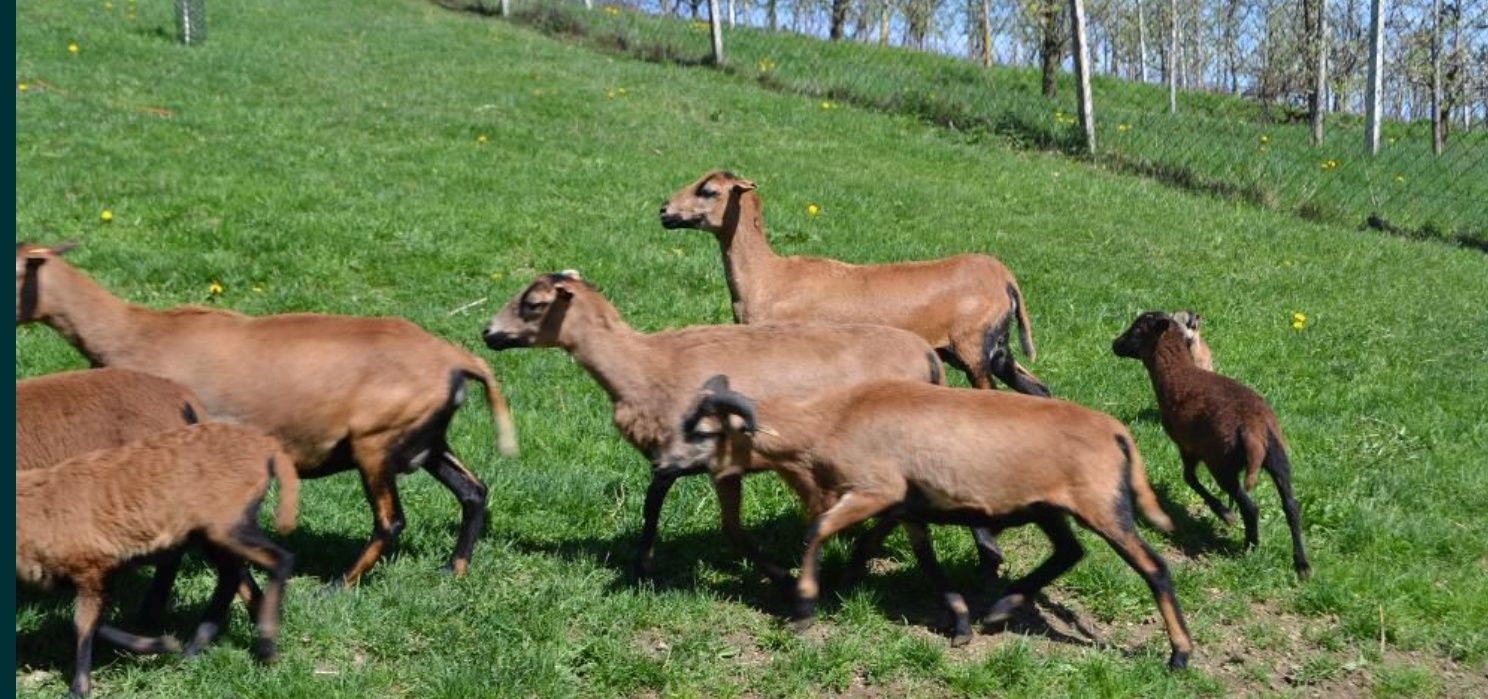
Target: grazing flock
[{"x": 832, "y": 379}]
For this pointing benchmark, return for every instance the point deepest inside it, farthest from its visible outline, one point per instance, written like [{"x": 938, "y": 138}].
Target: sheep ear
[
  {"x": 1195, "y": 320},
  {"x": 743, "y": 185},
  {"x": 63, "y": 248},
  {"x": 717, "y": 384}
]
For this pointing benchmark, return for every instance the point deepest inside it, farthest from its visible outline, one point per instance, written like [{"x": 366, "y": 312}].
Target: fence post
[
  {"x": 1082, "y": 73},
  {"x": 1438, "y": 126},
  {"x": 1319, "y": 43},
  {"x": 1376, "y": 77},
  {"x": 715, "y": 23},
  {"x": 1172, "y": 71},
  {"x": 191, "y": 21},
  {"x": 1141, "y": 43},
  {"x": 505, "y": 8}
]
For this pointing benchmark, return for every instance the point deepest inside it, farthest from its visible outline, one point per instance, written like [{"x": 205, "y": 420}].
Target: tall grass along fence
[{"x": 1219, "y": 101}]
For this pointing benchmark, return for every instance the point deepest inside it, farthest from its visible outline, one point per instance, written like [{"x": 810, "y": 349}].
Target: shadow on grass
[
  {"x": 1195, "y": 537},
  {"x": 904, "y": 593}
]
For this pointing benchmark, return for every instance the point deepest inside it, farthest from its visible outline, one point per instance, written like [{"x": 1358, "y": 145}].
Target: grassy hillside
[
  {"x": 1217, "y": 144},
  {"x": 391, "y": 157}
]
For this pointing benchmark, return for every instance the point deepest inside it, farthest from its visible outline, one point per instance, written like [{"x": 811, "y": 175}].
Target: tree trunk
[
  {"x": 1172, "y": 62},
  {"x": 1316, "y": 13},
  {"x": 839, "y": 18},
  {"x": 1141, "y": 43},
  {"x": 883, "y": 23},
  {"x": 715, "y": 24},
  {"x": 772, "y": 16},
  {"x": 987, "y": 33},
  {"x": 1082, "y": 73},
  {"x": 1051, "y": 44}
]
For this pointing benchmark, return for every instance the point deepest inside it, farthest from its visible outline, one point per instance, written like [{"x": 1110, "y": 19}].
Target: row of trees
[{"x": 1435, "y": 52}]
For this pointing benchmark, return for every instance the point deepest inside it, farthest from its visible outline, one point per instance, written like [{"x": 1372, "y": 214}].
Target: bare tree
[
  {"x": 839, "y": 18},
  {"x": 1051, "y": 43}
]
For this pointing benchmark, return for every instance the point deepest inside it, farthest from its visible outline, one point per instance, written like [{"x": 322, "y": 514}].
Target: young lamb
[
  {"x": 926, "y": 454},
  {"x": 650, "y": 378},
  {"x": 374, "y": 394},
  {"x": 962, "y": 305},
  {"x": 87, "y": 516},
  {"x": 1189, "y": 322},
  {"x": 1215, "y": 420},
  {"x": 60, "y": 416}
]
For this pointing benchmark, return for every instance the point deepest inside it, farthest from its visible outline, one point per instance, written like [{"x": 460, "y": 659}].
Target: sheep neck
[
  {"x": 1167, "y": 361},
  {"x": 101, "y": 326},
  {"x": 609, "y": 349},
  {"x": 747, "y": 257}
]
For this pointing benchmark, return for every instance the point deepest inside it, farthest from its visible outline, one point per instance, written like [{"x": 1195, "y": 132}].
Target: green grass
[
  {"x": 1217, "y": 144},
  {"x": 327, "y": 153}
]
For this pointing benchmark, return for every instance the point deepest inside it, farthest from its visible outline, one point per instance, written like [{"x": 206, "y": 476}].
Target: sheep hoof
[
  {"x": 265, "y": 651},
  {"x": 1178, "y": 661},
  {"x": 169, "y": 644},
  {"x": 1304, "y": 571},
  {"x": 960, "y": 639},
  {"x": 1003, "y": 609},
  {"x": 455, "y": 568},
  {"x": 641, "y": 571},
  {"x": 801, "y": 624},
  {"x": 1228, "y": 517}
]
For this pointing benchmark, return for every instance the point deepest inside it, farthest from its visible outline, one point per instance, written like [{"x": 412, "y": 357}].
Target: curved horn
[{"x": 733, "y": 403}]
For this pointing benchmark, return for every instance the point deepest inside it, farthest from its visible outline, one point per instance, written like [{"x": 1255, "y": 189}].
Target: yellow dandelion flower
[
  {"x": 72, "y": 47},
  {"x": 623, "y": 92},
  {"x": 611, "y": 10},
  {"x": 106, "y": 216},
  {"x": 214, "y": 288},
  {"x": 610, "y": 94},
  {"x": 1265, "y": 139},
  {"x": 481, "y": 139},
  {"x": 812, "y": 209},
  {"x": 1400, "y": 179},
  {"x": 108, "y": 7},
  {"x": 1299, "y": 317},
  {"x": 22, "y": 87},
  {"x": 1298, "y": 325},
  {"x": 258, "y": 288},
  {"x": 826, "y": 105},
  {"x": 1123, "y": 127}
]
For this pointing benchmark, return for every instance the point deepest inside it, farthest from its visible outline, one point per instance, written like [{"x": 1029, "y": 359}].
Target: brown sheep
[
  {"x": 962, "y": 305},
  {"x": 924, "y": 454},
  {"x": 60, "y": 416},
  {"x": 1215, "y": 420},
  {"x": 651, "y": 377},
  {"x": 82, "y": 519},
  {"x": 340, "y": 392}
]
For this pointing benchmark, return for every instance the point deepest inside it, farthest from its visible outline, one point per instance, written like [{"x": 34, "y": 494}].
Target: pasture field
[
  {"x": 1217, "y": 144},
  {"x": 391, "y": 157}
]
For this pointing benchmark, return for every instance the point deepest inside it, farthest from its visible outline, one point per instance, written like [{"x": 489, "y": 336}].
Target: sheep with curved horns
[
  {"x": 925, "y": 454},
  {"x": 340, "y": 392},
  {"x": 87, "y": 516},
  {"x": 1216, "y": 420},
  {"x": 963, "y": 305},
  {"x": 651, "y": 377}
]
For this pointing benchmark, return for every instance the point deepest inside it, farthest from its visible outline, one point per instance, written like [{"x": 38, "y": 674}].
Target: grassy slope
[
  {"x": 328, "y": 152},
  {"x": 1218, "y": 143}
]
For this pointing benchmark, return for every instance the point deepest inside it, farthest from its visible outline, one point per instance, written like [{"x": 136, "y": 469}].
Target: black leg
[
  {"x": 1281, "y": 474},
  {"x": 1067, "y": 552},
  {"x": 661, "y": 483},
  {"x": 471, "y": 493},
  {"x": 868, "y": 546},
  {"x": 147, "y": 645},
  {"x": 157, "y": 597},
  {"x": 988, "y": 554},
  {"x": 1249, "y": 513},
  {"x": 728, "y": 488},
  {"x": 88, "y": 608},
  {"x": 955, "y": 605},
  {"x": 229, "y": 576},
  {"x": 1191, "y": 477}
]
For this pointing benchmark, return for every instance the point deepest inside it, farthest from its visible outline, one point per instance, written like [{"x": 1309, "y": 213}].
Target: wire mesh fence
[{"x": 1211, "y": 95}]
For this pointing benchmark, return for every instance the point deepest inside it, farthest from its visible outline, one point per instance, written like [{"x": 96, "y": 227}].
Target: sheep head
[{"x": 706, "y": 203}]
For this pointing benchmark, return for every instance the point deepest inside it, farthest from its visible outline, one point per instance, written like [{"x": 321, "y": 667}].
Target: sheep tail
[
  {"x": 283, "y": 468},
  {"x": 1025, "y": 329},
  {"x": 506, "y": 431},
  {"x": 1146, "y": 500}
]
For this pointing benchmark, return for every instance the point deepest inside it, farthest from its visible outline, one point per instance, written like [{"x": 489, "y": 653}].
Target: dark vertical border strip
[{"x": 9, "y": 580}]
